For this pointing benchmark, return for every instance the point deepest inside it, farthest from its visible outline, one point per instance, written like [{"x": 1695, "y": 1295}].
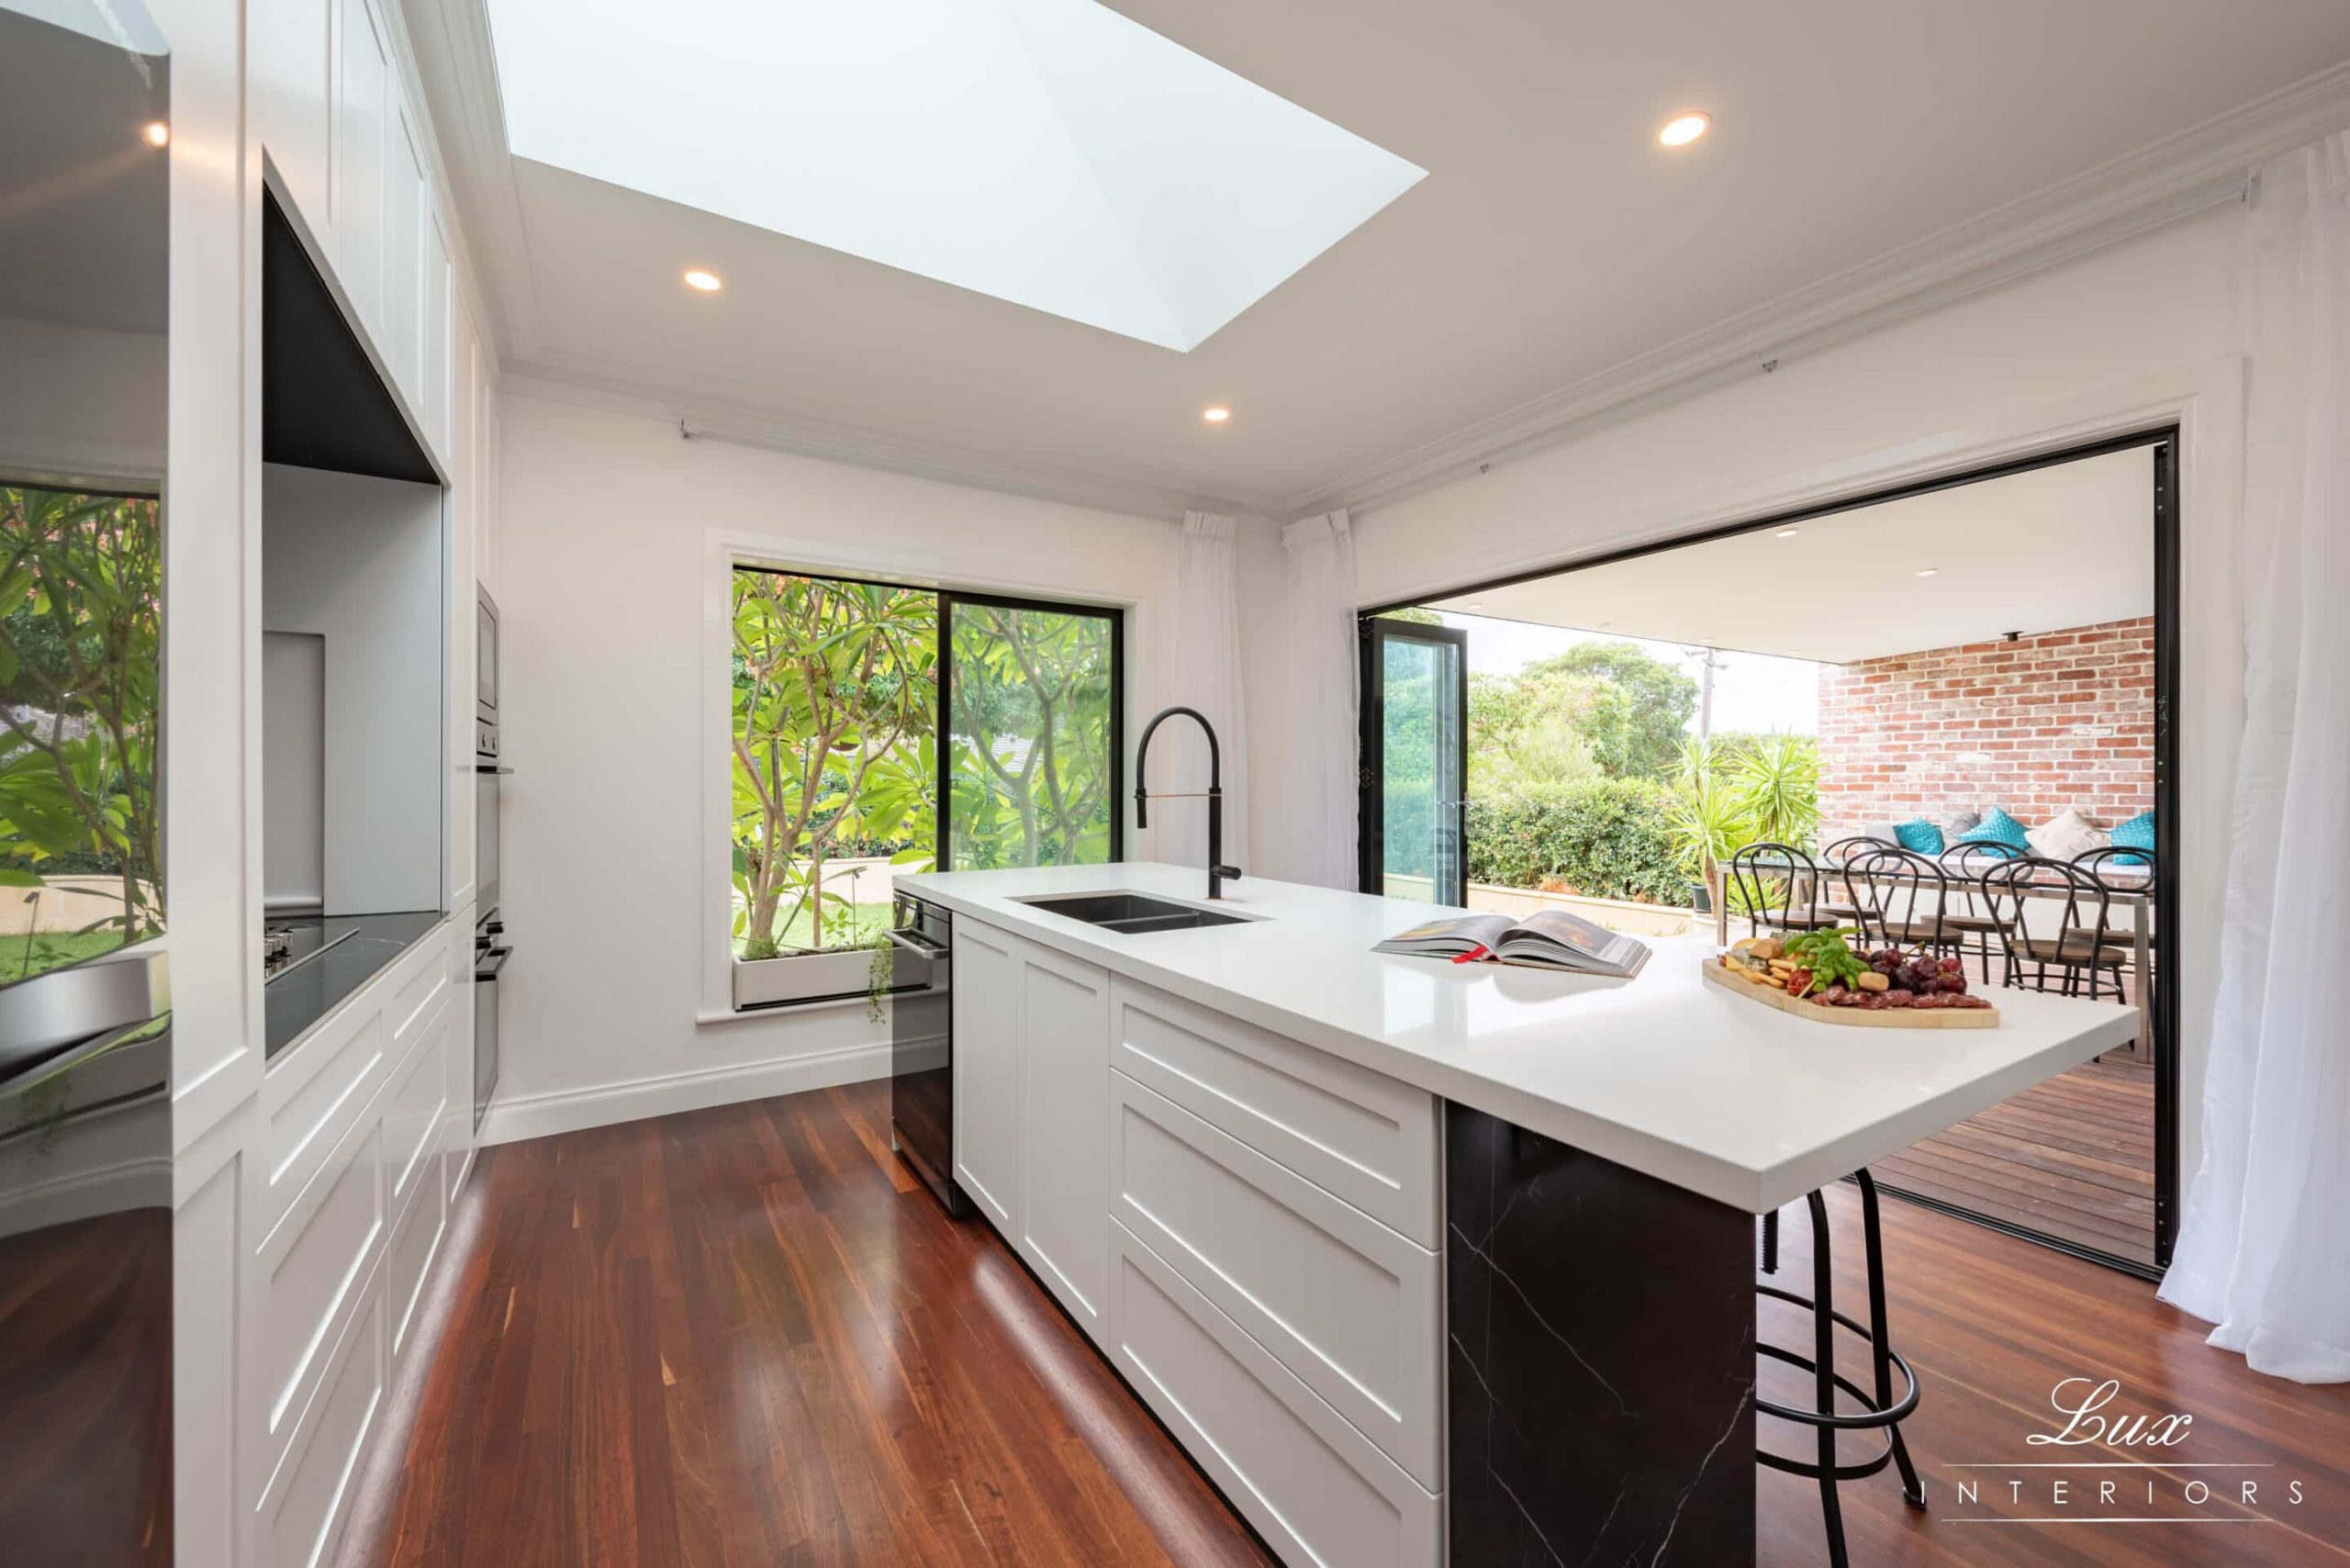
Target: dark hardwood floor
[{"x": 743, "y": 1337}]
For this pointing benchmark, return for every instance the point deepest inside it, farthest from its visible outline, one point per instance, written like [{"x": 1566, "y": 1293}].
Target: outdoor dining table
[{"x": 2124, "y": 891}]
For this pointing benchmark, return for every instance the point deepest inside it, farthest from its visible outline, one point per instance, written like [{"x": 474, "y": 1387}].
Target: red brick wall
[{"x": 2034, "y": 725}]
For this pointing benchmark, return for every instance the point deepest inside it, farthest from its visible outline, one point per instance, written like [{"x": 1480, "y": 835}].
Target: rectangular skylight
[{"x": 1050, "y": 152}]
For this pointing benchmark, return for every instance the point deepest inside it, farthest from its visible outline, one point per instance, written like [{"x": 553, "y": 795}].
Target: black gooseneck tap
[{"x": 1218, "y": 872}]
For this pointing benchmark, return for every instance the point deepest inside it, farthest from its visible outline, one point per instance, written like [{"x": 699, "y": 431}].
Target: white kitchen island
[{"x": 1423, "y": 1262}]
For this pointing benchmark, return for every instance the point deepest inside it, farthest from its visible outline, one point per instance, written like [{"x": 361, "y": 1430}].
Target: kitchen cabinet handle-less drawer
[
  {"x": 1365, "y": 1136},
  {"x": 1317, "y": 1490},
  {"x": 1350, "y": 1308}
]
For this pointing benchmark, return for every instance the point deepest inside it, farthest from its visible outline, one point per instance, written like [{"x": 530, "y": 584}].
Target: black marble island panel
[
  {"x": 362, "y": 945},
  {"x": 1601, "y": 1371}
]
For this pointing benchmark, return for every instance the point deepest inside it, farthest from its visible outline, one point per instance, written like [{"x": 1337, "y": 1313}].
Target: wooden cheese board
[{"x": 1866, "y": 1018}]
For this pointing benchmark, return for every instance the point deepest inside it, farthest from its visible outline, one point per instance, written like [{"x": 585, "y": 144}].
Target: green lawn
[{"x": 22, "y": 955}]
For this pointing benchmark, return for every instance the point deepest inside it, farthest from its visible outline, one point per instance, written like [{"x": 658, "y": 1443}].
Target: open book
[{"x": 1549, "y": 939}]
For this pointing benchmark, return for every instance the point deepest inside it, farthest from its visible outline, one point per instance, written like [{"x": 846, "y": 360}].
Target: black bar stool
[{"x": 1878, "y": 1411}]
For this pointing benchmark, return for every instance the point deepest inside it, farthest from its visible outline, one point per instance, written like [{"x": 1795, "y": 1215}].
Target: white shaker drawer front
[
  {"x": 1363, "y": 1136},
  {"x": 1316, "y": 1489},
  {"x": 1351, "y": 1308}
]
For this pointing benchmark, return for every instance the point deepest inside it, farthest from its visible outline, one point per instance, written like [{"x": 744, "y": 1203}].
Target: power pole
[{"x": 1708, "y": 661}]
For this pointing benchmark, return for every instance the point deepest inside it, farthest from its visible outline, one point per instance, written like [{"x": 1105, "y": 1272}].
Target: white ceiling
[
  {"x": 1552, "y": 240},
  {"x": 2041, "y": 550}
]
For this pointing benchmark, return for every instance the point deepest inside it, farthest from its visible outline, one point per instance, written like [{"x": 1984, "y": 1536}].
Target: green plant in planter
[{"x": 880, "y": 975}]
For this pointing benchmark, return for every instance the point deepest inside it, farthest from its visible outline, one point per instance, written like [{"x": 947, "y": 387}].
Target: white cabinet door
[
  {"x": 399, "y": 333},
  {"x": 438, "y": 338},
  {"x": 291, "y": 59},
  {"x": 1065, "y": 1147},
  {"x": 987, "y": 1071},
  {"x": 361, "y": 110}
]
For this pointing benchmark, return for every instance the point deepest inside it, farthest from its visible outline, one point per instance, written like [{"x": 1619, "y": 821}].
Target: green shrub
[{"x": 1604, "y": 837}]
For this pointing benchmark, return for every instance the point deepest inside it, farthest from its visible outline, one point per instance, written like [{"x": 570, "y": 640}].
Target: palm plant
[
  {"x": 1708, "y": 810},
  {"x": 1778, "y": 776}
]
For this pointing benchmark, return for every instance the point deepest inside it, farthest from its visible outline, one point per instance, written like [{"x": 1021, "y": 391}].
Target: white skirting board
[{"x": 514, "y": 1118}]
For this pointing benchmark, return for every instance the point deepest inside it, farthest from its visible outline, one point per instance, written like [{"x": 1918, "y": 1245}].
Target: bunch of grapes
[{"x": 1915, "y": 975}]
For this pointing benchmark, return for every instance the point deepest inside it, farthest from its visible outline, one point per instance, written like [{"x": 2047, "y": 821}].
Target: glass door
[
  {"x": 1034, "y": 765},
  {"x": 1414, "y": 761}
]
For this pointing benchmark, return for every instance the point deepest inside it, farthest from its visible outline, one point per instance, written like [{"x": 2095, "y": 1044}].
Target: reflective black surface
[
  {"x": 922, "y": 1048},
  {"x": 1600, "y": 1378},
  {"x": 1132, "y": 913},
  {"x": 85, "y": 1305},
  {"x": 357, "y": 946}
]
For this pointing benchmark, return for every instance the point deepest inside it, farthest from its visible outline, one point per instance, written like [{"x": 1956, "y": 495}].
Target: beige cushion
[{"x": 2065, "y": 835}]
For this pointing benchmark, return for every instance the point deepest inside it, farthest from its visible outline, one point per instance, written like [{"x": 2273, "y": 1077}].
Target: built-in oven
[
  {"x": 921, "y": 1047},
  {"x": 489, "y": 775},
  {"x": 491, "y": 950},
  {"x": 484, "y": 656},
  {"x": 490, "y": 953}
]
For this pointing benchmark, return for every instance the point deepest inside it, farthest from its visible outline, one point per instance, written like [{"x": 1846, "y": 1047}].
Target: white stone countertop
[{"x": 1664, "y": 1074}]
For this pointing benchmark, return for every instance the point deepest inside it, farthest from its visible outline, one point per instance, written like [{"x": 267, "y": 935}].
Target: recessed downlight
[
  {"x": 1682, "y": 129},
  {"x": 1790, "y": 532},
  {"x": 1215, "y": 414},
  {"x": 703, "y": 281},
  {"x": 155, "y": 133},
  {"x": 1475, "y": 604},
  {"x": 1927, "y": 571}
]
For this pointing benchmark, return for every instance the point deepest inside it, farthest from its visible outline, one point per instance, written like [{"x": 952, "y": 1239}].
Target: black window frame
[
  {"x": 2163, "y": 440},
  {"x": 947, "y": 600}
]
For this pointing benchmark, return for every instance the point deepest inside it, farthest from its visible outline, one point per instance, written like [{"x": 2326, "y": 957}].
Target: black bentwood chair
[
  {"x": 1834, "y": 857},
  {"x": 2083, "y": 951},
  {"x": 1777, "y": 886},
  {"x": 1968, "y": 916},
  {"x": 1877, "y": 1409},
  {"x": 1901, "y": 897}
]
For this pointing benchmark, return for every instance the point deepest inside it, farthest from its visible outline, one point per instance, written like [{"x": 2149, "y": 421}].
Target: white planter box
[{"x": 820, "y": 977}]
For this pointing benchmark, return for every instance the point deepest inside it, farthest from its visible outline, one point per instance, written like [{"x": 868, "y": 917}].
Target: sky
[{"x": 1751, "y": 692}]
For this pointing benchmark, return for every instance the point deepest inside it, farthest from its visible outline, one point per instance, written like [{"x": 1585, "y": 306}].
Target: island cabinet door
[
  {"x": 1064, "y": 1228},
  {"x": 987, "y": 1071}
]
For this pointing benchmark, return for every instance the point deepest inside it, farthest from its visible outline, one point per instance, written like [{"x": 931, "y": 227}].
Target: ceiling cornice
[
  {"x": 458, "y": 64},
  {"x": 700, "y": 417},
  {"x": 2157, "y": 185}
]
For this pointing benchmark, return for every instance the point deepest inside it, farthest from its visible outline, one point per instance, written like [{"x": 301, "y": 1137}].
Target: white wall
[
  {"x": 2124, "y": 338},
  {"x": 359, "y": 562},
  {"x": 613, "y": 530}
]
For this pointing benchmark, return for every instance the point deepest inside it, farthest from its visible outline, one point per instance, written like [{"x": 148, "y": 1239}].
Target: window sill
[{"x": 705, "y": 1018}]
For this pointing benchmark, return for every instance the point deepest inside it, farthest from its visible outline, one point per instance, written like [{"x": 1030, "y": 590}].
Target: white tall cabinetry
[
  {"x": 342, "y": 130},
  {"x": 315, "y": 1192}
]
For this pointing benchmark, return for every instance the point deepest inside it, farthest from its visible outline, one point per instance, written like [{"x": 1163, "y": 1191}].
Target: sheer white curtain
[
  {"x": 1317, "y": 801},
  {"x": 2264, "y": 1252},
  {"x": 1205, "y": 673}
]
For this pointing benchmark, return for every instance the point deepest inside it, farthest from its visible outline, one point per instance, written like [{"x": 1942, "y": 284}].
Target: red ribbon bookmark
[{"x": 1472, "y": 955}]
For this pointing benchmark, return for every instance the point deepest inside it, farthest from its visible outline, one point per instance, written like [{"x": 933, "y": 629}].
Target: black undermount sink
[{"x": 1132, "y": 913}]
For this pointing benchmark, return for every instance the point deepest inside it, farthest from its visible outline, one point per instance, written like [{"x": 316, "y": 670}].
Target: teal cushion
[
  {"x": 1920, "y": 837},
  {"x": 1997, "y": 828},
  {"x": 2138, "y": 832}
]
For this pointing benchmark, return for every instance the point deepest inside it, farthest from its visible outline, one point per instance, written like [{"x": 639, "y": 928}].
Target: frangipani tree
[
  {"x": 81, "y": 623},
  {"x": 836, "y": 707},
  {"x": 1031, "y": 732}
]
